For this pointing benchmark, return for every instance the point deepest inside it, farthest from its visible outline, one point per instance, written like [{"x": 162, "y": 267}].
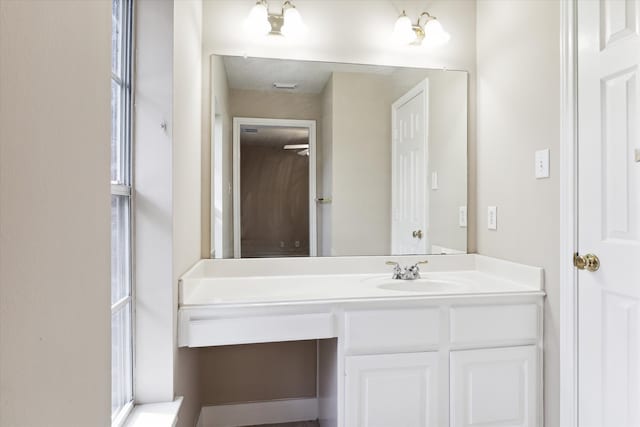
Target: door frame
[
  {"x": 568, "y": 214},
  {"x": 422, "y": 86},
  {"x": 307, "y": 124}
]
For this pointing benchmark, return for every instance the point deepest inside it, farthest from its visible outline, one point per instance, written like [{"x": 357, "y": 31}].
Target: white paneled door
[
  {"x": 609, "y": 212},
  {"x": 391, "y": 390},
  {"x": 410, "y": 199}
]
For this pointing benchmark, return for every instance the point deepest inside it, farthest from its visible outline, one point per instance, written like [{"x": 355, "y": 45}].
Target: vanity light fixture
[
  {"x": 427, "y": 30},
  {"x": 287, "y": 23}
]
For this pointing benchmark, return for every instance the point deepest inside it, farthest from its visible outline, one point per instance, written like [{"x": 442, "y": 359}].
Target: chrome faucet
[{"x": 406, "y": 273}]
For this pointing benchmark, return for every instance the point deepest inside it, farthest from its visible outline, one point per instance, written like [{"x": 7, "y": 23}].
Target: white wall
[
  {"x": 55, "y": 213},
  {"x": 186, "y": 182},
  {"x": 224, "y": 149},
  {"x": 153, "y": 203},
  {"x": 518, "y": 113},
  {"x": 167, "y": 199}
]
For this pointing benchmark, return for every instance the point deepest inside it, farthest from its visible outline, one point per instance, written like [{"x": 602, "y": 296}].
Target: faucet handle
[
  {"x": 416, "y": 266},
  {"x": 414, "y": 270},
  {"x": 397, "y": 271}
]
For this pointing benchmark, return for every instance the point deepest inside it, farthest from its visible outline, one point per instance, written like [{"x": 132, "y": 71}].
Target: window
[{"x": 121, "y": 241}]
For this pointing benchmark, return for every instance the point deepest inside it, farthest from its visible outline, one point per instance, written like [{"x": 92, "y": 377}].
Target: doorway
[
  {"x": 409, "y": 170},
  {"x": 274, "y": 188},
  {"x": 600, "y": 296}
]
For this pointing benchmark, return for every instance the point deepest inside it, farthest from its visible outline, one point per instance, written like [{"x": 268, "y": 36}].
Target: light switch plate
[
  {"x": 492, "y": 218},
  {"x": 462, "y": 217},
  {"x": 542, "y": 163},
  {"x": 434, "y": 180}
]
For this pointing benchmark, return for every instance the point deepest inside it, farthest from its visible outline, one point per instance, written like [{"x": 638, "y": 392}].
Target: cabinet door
[
  {"x": 494, "y": 387},
  {"x": 392, "y": 390}
]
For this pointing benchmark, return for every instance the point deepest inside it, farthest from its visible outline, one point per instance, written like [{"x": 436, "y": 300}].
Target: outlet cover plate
[{"x": 492, "y": 218}]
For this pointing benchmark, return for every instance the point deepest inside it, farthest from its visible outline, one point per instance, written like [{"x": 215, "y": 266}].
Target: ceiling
[
  {"x": 274, "y": 136},
  {"x": 310, "y": 77}
]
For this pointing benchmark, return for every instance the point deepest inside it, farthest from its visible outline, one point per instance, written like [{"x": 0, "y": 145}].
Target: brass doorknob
[
  {"x": 589, "y": 262},
  {"x": 418, "y": 234}
]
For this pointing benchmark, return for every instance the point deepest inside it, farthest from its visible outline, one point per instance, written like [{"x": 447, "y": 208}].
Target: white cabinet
[
  {"x": 399, "y": 390},
  {"x": 463, "y": 364},
  {"x": 494, "y": 387}
]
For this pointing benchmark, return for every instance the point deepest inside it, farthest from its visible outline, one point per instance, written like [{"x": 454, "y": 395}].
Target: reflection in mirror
[{"x": 326, "y": 159}]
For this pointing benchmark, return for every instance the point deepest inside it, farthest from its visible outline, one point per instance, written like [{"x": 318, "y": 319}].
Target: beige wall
[
  {"x": 186, "y": 178},
  {"x": 249, "y": 373},
  {"x": 325, "y": 171},
  {"x": 518, "y": 113},
  {"x": 273, "y": 105},
  {"x": 361, "y": 153},
  {"x": 55, "y": 213}
]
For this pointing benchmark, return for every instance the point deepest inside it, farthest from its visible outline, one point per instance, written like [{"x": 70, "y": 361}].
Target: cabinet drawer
[
  {"x": 494, "y": 324},
  {"x": 257, "y": 329},
  {"x": 382, "y": 331}
]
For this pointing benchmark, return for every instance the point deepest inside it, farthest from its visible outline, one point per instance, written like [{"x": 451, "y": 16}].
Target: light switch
[
  {"x": 542, "y": 164},
  {"x": 492, "y": 218},
  {"x": 434, "y": 180},
  {"x": 462, "y": 217}
]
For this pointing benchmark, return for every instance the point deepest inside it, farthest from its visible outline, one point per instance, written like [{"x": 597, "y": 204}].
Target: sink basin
[{"x": 419, "y": 285}]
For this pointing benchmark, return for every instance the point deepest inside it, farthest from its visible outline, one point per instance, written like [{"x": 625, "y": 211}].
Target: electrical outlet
[
  {"x": 492, "y": 218},
  {"x": 462, "y": 216},
  {"x": 434, "y": 180},
  {"x": 542, "y": 163}
]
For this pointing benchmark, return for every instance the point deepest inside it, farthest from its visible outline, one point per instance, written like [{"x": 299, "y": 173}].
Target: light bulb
[
  {"x": 293, "y": 26},
  {"x": 434, "y": 34},
  {"x": 403, "y": 30},
  {"x": 257, "y": 23}
]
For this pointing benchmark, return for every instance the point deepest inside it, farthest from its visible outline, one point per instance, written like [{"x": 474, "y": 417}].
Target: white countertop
[{"x": 265, "y": 281}]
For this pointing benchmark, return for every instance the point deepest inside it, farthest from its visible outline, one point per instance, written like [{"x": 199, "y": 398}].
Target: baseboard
[{"x": 269, "y": 412}]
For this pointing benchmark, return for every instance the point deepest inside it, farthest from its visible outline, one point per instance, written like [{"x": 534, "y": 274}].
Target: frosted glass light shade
[
  {"x": 434, "y": 34},
  {"x": 257, "y": 23},
  {"x": 403, "y": 30},
  {"x": 293, "y": 25}
]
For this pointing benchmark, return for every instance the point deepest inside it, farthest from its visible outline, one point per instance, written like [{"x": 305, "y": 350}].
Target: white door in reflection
[{"x": 410, "y": 198}]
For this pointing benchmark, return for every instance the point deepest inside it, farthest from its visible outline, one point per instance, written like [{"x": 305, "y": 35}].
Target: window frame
[{"x": 124, "y": 188}]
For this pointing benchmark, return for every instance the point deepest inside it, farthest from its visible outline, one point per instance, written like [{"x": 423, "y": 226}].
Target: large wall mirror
[{"x": 327, "y": 159}]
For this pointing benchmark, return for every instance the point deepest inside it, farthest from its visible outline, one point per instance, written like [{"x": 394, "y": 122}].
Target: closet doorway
[{"x": 274, "y": 188}]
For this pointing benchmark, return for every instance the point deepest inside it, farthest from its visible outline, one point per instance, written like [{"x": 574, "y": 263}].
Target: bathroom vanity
[{"x": 460, "y": 346}]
